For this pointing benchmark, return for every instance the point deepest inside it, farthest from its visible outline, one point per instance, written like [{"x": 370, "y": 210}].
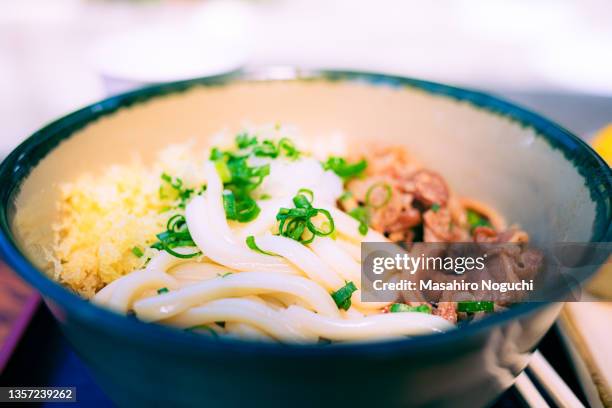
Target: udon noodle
[{"x": 262, "y": 241}]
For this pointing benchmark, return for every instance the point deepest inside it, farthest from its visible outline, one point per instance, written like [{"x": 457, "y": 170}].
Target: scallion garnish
[
  {"x": 137, "y": 252},
  {"x": 401, "y": 307},
  {"x": 267, "y": 148},
  {"x": 343, "y": 169},
  {"x": 388, "y": 194},
  {"x": 250, "y": 241},
  {"x": 173, "y": 188},
  {"x": 244, "y": 140},
  {"x": 161, "y": 291},
  {"x": 176, "y": 235},
  {"x": 239, "y": 180},
  {"x": 342, "y": 296},
  {"x": 469, "y": 306},
  {"x": 362, "y": 215},
  {"x": 295, "y": 223},
  {"x": 239, "y": 207},
  {"x": 476, "y": 220},
  {"x": 435, "y": 207},
  {"x": 307, "y": 192}
]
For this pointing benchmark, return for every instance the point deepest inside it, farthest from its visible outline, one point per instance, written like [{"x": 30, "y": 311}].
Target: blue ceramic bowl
[{"x": 532, "y": 170}]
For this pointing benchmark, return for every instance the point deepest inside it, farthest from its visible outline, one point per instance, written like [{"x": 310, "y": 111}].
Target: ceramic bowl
[{"x": 536, "y": 173}]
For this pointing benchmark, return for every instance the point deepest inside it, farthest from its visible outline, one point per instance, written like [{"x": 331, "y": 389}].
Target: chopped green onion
[
  {"x": 240, "y": 179},
  {"x": 474, "y": 306},
  {"x": 295, "y": 222},
  {"x": 229, "y": 204},
  {"x": 246, "y": 209},
  {"x": 176, "y": 235},
  {"x": 267, "y": 148},
  {"x": 476, "y": 220},
  {"x": 138, "y": 252},
  {"x": 181, "y": 193},
  {"x": 223, "y": 170},
  {"x": 342, "y": 168},
  {"x": 243, "y": 140},
  {"x": 308, "y": 192},
  {"x": 161, "y": 291},
  {"x": 362, "y": 215},
  {"x": 401, "y": 307},
  {"x": 250, "y": 241},
  {"x": 225, "y": 274},
  {"x": 289, "y": 147},
  {"x": 435, "y": 207},
  {"x": 301, "y": 201},
  {"x": 388, "y": 191},
  {"x": 265, "y": 197},
  {"x": 342, "y": 296}
]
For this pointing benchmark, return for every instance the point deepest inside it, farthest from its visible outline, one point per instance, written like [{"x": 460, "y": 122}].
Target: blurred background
[{"x": 57, "y": 55}]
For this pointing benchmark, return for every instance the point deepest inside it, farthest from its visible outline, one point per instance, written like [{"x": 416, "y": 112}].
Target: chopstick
[
  {"x": 550, "y": 381},
  {"x": 529, "y": 392}
]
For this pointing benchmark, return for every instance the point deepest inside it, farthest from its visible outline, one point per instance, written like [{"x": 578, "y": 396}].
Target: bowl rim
[{"x": 16, "y": 167}]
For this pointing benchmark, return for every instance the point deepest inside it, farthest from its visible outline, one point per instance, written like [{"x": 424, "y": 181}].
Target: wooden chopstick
[
  {"x": 552, "y": 383},
  {"x": 529, "y": 392}
]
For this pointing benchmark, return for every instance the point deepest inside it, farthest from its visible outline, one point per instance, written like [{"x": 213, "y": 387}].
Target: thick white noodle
[
  {"x": 303, "y": 258},
  {"x": 247, "y": 311},
  {"x": 133, "y": 285},
  {"x": 235, "y": 285},
  {"x": 350, "y": 248},
  {"x": 334, "y": 257},
  {"x": 378, "y": 326},
  {"x": 219, "y": 248},
  {"x": 246, "y": 331}
]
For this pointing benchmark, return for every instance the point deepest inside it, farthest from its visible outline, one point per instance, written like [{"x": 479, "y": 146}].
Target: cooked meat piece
[
  {"x": 392, "y": 161},
  {"x": 488, "y": 234},
  {"x": 528, "y": 263},
  {"x": 397, "y": 215},
  {"x": 513, "y": 235},
  {"x": 484, "y": 234},
  {"x": 438, "y": 227},
  {"x": 429, "y": 188}
]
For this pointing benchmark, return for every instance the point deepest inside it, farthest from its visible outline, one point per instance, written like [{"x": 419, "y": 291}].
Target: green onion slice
[
  {"x": 388, "y": 195},
  {"x": 475, "y": 306},
  {"x": 401, "y": 307},
  {"x": 343, "y": 169},
  {"x": 476, "y": 220},
  {"x": 250, "y": 241},
  {"x": 362, "y": 215},
  {"x": 342, "y": 296}
]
